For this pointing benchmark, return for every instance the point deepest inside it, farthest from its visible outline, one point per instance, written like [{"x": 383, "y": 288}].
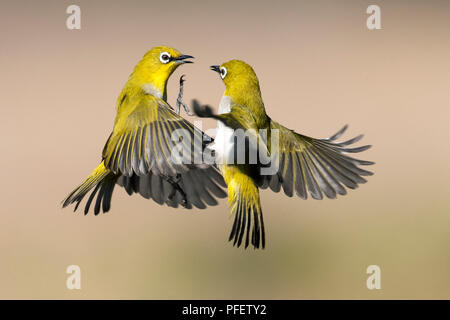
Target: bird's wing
[
  {"x": 197, "y": 187},
  {"x": 314, "y": 166},
  {"x": 302, "y": 164},
  {"x": 148, "y": 137}
]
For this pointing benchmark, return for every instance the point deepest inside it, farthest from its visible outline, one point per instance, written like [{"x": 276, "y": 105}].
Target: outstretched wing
[
  {"x": 303, "y": 164},
  {"x": 141, "y": 155},
  {"x": 149, "y": 137},
  {"x": 315, "y": 166},
  {"x": 197, "y": 187}
]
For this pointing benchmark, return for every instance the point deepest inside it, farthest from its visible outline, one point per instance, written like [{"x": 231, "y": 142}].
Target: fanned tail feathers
[
  {"x": 102, "y": 180},
  {"x": 246, "y": 208}
]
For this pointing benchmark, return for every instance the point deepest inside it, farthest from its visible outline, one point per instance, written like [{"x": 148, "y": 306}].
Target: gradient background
[{"x": 319, "y": 68}]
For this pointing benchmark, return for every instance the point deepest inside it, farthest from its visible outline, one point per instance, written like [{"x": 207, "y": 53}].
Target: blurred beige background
[{"x": 319, "y": 68}]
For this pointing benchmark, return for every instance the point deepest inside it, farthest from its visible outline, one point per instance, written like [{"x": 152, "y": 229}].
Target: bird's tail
[
  {"x": 102, "y": 180},
  {"x": 243, "y": 198}
]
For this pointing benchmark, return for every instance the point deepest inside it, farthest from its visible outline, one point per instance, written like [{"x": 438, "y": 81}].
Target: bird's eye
[
  {"x": 223, "y": 72},
  {"x": 164, "y": 57}
]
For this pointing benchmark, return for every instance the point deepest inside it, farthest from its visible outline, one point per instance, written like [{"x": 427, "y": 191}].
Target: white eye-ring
[
  {"x": 223, "y": 72},
  {"x": 164, "y": 57}
]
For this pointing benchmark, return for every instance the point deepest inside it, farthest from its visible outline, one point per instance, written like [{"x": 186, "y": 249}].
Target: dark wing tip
[
  {"x": 338, "y": 134},
  {"x": 357, "y": 149},
  {"x": 202, "y": 111}
]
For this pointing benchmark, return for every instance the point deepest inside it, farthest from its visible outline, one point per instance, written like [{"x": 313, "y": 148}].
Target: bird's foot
[
  {"x": 174, "y": 181},
  {"x": 180, "y": 99}
]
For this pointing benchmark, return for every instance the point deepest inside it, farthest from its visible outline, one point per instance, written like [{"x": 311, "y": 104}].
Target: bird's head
[
  {"x": 163, "y": 60},
  {"x": 155, "y": 68},
  {"x": 238, "y": 77}
]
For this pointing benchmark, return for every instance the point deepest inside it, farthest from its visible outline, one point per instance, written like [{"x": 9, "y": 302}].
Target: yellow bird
[
  {"x": 138, "y": 153},
  {"x": 295, "y": 162}
]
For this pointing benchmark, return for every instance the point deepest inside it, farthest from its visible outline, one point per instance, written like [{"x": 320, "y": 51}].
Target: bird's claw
[
  {"x": 182, "y": 80},
  {"x": 175, "y": 182}
]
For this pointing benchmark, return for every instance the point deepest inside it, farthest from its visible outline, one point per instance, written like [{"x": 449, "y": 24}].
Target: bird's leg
[
  {"x": 180, "y": 99},
  {"x": 176, "y": 187}
]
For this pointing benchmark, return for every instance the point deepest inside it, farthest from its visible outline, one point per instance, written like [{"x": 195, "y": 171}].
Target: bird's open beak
[
  {"x": 182, "y": 59},
  {"x": 215, "y": 68}
]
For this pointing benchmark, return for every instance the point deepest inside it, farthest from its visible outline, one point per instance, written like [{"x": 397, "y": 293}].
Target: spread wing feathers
[
  {"x": 196, "y": 187},
  {"x": 152, "y": 151},
  {"x": 316, "y": 166},
  {"x": 102, "y": 181},
  {"x": 151, "y": 138}
]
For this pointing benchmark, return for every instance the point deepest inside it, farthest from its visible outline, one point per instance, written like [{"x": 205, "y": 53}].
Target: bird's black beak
[
  {"x": 182, "y": 59},
  {"x": 215, "y": 68}
]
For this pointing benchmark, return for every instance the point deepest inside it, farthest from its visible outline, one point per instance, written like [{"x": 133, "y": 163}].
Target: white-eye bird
[
  {"x": 305, "y": 165},
  {"x": 138, "y": 152}
]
